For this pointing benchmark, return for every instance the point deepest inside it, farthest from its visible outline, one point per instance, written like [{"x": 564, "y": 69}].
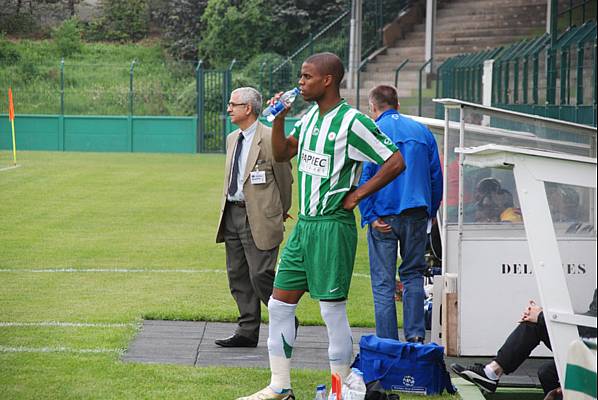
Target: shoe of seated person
[
  {"x": 476, "y": 375},
  {"x": 268, "y": 394}
]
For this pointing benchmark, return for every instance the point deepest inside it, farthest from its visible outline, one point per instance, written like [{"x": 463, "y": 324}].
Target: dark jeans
[
  {"x": 520, "y": 344},
  {"x": 408, "y": 228}
]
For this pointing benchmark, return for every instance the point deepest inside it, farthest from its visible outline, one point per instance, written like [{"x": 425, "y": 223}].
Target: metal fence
[
  {"x": 334, "y": 38},
  {"x": 542, "y": 76},
  {"x": 181, "y": 89}
]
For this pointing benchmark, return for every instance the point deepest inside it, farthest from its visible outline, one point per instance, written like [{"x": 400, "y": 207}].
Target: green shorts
[{"x": 319, "y": 257}]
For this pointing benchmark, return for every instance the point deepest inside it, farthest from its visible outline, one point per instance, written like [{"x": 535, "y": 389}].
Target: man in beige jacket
[{"x": 255, "y": 202}]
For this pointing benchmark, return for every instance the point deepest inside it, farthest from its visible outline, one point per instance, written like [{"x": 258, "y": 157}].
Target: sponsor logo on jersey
[{"x": 315, "y": 164}]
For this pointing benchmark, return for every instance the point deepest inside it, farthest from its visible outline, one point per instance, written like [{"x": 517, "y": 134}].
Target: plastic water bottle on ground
[
  {"x": 320, "y": 392},
  {"x": 286, "y": 99},
  {"x": 354, "y": 386}
]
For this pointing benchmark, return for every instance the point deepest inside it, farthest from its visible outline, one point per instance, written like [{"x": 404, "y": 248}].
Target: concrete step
[
  {"x": 491, "y": 4},
  {"x": 408, "y": 106},
  {"x": 406, "y": 86},
  {"x": 498, "y": 32},
  {"x": 409, "y": 52},
  {"x": 364, "y": 90},
  {"x": 489, "y": 22},
  {"x": 390, "y": 64},
  {"x": 445, "y": 40},
  {"x": 497, "y": 9},
  {"x": 388, "y": 75},
  {"x": 522, "y": 16},
  {"x": 472, "y": 24}
]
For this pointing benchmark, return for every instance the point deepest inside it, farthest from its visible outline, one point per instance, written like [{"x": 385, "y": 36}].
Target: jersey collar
[{"x": 387, "y": 112}]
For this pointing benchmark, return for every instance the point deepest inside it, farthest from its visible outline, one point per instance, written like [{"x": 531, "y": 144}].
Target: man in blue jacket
[{"x": 400, "y": 212}]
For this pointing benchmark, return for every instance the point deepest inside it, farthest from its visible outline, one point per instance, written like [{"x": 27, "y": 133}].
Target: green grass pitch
[{"x": 89, "y": 211}]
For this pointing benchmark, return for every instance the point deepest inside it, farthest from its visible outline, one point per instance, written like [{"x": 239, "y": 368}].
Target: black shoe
[
  {"x": 416, "y": 339},
  {"x": 476, "y": 375},
  {"x": 236, "y": 341}
]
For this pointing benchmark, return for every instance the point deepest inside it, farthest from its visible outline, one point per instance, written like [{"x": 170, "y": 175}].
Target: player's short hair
[
  {"x": 384, "y": 95},
  {"x": 250, "y": 96},
  {"x": 328, "y": 64}
]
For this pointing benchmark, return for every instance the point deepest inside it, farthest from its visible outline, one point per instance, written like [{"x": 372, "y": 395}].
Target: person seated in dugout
[
  {"x": 529, "y": 333},
  {"x": 493, "y": 203}
]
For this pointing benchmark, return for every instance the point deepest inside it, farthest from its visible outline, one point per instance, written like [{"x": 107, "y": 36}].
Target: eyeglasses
[{"x": 231, "y": 104}]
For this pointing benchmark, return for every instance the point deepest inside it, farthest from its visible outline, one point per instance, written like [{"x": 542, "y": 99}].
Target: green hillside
[{"x": 96, "y": 80}]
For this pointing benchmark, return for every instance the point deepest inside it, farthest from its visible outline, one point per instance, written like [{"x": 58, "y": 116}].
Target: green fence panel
[
  {"x": 40, "y": 133},
  {"x": 164, "y": 134},
  {"x": 101, "y": 133},
  {"x": 288, "y": 124},
  {"x": 36, "y": 134},
  {"x": 568, "y": 113},
  {"x": 83, "y": 133},
  {"x": 586, "y": 114}
]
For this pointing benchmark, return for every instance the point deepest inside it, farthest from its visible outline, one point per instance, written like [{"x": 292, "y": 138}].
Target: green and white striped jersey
[{"x": 331, "y": 148}]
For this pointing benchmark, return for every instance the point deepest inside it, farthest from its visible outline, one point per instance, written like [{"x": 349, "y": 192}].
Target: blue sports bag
[{"x": 402, "y": 366}]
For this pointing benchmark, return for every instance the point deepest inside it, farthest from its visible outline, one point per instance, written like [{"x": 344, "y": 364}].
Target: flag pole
[{"x": 11, "y": 117}]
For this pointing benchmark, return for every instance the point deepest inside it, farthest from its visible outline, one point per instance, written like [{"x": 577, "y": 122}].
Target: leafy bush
[
  {"x": 234, "y": 31},
  {"x": 186, "y": 101},
  {"x": 28, "y": 71},
  {"x": 121, "y": 20},
  {"x": 18, "y": 24},
  {"x": 181, "y": 25},
  {"x": 8, "y": 52},
  {"x": 68, "y": 38}
]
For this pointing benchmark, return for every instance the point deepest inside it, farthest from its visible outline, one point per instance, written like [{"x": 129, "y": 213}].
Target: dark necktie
[{"x": 232, "y": 187}]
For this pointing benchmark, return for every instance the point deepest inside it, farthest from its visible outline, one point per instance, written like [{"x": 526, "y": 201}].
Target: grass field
[{"x": 110, "y": 239}]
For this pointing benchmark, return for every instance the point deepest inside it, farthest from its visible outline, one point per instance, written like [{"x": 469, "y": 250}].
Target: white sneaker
[{"x": 268, "y": 394}]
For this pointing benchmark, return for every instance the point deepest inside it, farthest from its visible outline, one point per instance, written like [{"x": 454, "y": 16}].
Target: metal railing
[
  {"x": 563, "y": 77},
  {"x": 334, "y": 38},
  {"x": 399, "y": 68},
  {"x": 419, "y": 86}
]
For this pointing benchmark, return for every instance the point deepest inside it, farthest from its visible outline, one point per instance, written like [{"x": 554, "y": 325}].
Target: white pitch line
[
  {"x": 11, "y": 167},
  {"x": 128, "y": 271},
  {"x": 22, "y": 349},
  {"x": 66, "y": 324},
  {"x": 113, "y": 270}
]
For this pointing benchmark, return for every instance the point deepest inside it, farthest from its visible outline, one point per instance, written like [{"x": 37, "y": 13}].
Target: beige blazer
[{"x": 266, "y": 203}]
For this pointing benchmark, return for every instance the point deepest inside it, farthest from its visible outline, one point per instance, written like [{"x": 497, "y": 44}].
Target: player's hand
[
  {"x": 531, "y": 313},
  {"x": 273, "y": 101},
  {"x": 381, "y": 226},
  {"x": 350, "y": 201}
]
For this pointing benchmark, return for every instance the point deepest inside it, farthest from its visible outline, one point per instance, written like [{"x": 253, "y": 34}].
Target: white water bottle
[
  {"x": 286, "y": 99},
  {"x": 320, "y": 392}
]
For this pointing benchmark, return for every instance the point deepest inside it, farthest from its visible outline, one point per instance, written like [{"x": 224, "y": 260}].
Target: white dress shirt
[{"x": 247, "y": 140}]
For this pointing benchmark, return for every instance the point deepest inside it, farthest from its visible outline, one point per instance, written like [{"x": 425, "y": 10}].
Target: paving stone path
[{"x": 192, "y": 343}]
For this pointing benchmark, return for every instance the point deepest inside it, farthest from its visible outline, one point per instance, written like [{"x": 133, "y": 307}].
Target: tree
[
  {"x": 181, "y": 24},
  {"x": 124, "y": 19},
  {"x": 68, "y": 37},
  {"x": 235, "y": 31},
  {"x": 295, "y": 20}
]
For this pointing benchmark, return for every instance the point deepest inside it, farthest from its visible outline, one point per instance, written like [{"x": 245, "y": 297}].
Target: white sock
[
  {"x": 340, "y": 341},
  {"x": 490, "y": 373},
  {"x": 281, "y": 338}
]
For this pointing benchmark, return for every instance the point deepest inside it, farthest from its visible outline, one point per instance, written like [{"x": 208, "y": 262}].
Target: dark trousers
[
  {"x": 250, "y": 270},
  {"x": 520, "y": 344}
]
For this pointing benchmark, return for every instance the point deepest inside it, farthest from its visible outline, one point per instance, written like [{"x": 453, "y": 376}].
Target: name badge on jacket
[{"x": 258, "y": 177}]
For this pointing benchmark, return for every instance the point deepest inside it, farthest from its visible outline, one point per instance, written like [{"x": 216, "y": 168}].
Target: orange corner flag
[
  {"x": 11, "y": 107},
  {"x": 11, "y": 117}
]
